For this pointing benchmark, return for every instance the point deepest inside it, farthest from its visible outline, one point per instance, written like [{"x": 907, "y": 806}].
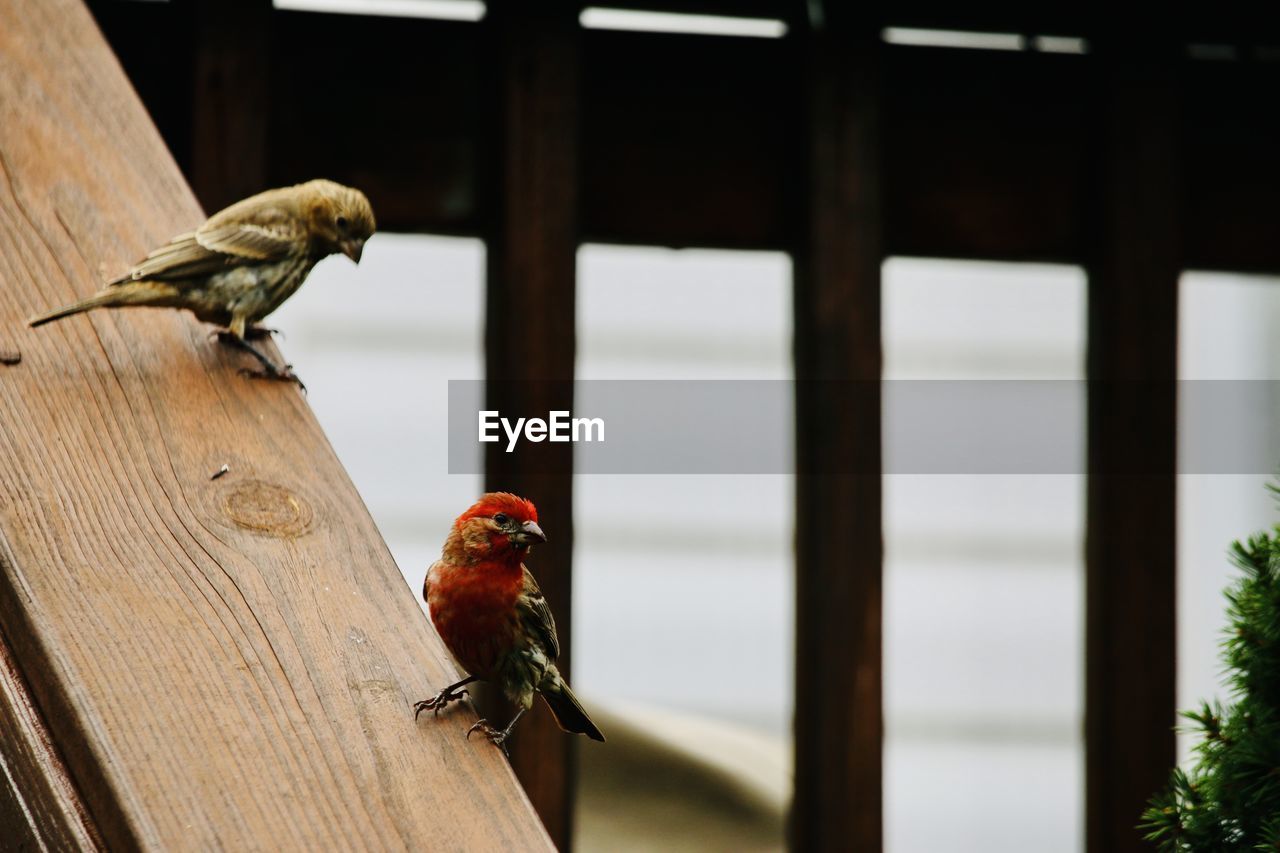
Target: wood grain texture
[
  {"x": 839, "y": 727},
  {"x": 222, "y": 664},
  {"x": 40, "y": 808},
  {"x": 530, "y": 330}
]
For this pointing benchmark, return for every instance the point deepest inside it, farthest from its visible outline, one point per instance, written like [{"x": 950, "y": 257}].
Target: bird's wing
[
  {"x": 265, "y": 235},
  {"x": 255, "y": 236},
  {"x": 182, "y": 257},
  {"x": 536, "y": 615}
]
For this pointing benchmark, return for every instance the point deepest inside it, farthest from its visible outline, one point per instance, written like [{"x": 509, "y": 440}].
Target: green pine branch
[{"x": 1229, "y": 800}]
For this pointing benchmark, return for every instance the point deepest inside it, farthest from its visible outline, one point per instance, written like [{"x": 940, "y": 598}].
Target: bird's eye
[
  {"x": 502, "y": 519},
  {"x": 342, "y": 222}
]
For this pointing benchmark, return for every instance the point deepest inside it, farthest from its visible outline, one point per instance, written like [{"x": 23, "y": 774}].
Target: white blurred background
[
  {"x": 696, "y": 614},
  {"x": 377, "y": 371},
  {"x": 1226, "y": 331},
  {"x": 984, "y": 580},
  {"x": 692, "y": 623}
]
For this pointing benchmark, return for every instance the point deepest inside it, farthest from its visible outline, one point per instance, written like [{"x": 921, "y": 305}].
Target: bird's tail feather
[
  {"x": 140, "y": 293},
  {"x": 569, "y": 714}
]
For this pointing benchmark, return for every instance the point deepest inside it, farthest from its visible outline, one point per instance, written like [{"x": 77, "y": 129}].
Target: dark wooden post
[
  {"x": 1133, "y": 316},
  {"x": 839, "y": 547},
  {"x": 529, "y": 337},
  {"x": 230, "y": 100}
]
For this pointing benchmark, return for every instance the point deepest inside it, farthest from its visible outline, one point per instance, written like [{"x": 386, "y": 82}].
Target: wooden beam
[
  {"x": 1231, "y": 172},
  {"x": 156, "y": 45},
  {"x": 986, "y": 152},
  {"x": 224, "y": 663},
  {"x": 1130, "y": 550},
  {"x": 838, "y": 715},
  {"x": 230, "y": 100},
  {"x": 398, "y": 112},
  {"x": 693, "y": 149},
  {"x": 530, "y": 330}
]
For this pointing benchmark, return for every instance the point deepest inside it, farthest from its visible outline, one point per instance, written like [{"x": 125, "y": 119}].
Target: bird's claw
[
  {"x": 282, "y": 375},
  {"x": 438, "y": 701},
  {"x": 497, "y": 737},
  {"x": 253, "y": 333}
]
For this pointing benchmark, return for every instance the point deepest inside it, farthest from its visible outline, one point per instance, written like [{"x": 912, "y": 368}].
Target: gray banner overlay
[{"x": 928, "y": 427}]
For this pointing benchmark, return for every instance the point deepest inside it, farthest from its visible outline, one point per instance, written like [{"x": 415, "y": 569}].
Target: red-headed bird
[
  {"x": 491, "y": 615},
  {"x": 243, "y": 262}
]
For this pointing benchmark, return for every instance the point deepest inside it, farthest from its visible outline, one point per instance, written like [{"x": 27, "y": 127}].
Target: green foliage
[{"x": 1229, "y": 801}]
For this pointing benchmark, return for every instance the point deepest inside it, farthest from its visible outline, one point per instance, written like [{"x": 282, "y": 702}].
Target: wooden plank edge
[{"x": 36, "y": 788}]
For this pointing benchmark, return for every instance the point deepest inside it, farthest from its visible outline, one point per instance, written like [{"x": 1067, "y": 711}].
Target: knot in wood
[{"x": 267, "y": 508}]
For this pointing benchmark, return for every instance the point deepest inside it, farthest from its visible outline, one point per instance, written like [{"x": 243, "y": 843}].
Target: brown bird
[{"x": 244, "y": 262}]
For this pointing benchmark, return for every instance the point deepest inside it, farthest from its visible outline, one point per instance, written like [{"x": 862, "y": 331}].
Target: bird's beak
[
  {"x": 353, "y": 249},
  {"x": 528, "y": 534}
]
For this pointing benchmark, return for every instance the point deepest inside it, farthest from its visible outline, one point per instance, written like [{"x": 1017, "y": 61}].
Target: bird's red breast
[{"x": 474, "y": 610}]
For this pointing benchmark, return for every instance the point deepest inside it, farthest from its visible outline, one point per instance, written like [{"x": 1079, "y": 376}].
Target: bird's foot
[
  {"x": 269, "y": 368},
  {"x": 497, "y": 737},
  {"x": 437, "y": 702},
  {"x": 275, "y": 374},
  {"x": 257, "y": 333}
]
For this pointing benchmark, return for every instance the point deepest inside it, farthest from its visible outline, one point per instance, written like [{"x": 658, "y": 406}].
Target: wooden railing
[{"x": 187, "y": 663}]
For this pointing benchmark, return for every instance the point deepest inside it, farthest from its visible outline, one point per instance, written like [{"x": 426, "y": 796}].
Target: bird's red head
[{"x": 499, "y": 525}]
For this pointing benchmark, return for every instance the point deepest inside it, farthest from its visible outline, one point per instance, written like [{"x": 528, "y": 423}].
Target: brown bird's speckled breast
[{"x": 255, "y": 291}]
